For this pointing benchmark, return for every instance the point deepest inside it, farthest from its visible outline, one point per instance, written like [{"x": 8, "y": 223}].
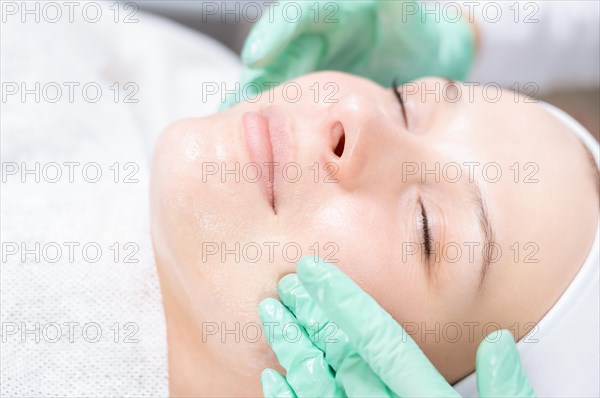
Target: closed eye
[
  {"x": 398, "y": 95},
  {"x": 427, "y": 241}
]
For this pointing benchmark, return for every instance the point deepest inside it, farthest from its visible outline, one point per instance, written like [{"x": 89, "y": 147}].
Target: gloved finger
[
  {"x": 499, "y": 371},
  {"x": 359, "y": 380},
  {"x": 352, "y": 372},
  {"x": 273, "y": 33},
  {"x": 307, "y": 371},
  {"x": 388, "y": 349},
  {"x": 274, "y": 385},
  {"x": 310, "y": 316},
  {"x": 302, "y": 56}
]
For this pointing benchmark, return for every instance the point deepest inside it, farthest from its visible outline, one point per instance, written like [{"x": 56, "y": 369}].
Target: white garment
[
  {"x": 546, "y": 44},
  {"x": 561, "y": 357},
  {"x": 168, "y": 63}
]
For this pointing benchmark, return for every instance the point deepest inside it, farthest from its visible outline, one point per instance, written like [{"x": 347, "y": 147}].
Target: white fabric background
[{"x": 168, "y": 63}]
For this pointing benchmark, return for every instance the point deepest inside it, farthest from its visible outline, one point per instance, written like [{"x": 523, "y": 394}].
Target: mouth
[{"x": 266, "y": 140}]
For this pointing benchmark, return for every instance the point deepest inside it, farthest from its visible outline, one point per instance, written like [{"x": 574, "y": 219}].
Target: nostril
[
  {"x": 339, "y": 149},
  {"x": 339, "y": 140}
]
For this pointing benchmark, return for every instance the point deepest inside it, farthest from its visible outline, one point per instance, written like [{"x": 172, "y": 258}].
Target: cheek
[
  {"x": 369, "y": 252},
  {"x": 195, "y": 196}
]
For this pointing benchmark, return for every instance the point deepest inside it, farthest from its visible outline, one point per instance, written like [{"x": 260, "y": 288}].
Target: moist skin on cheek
[
  {"x": 190, "y": 148},
  {"x": 224, "y": 299}
]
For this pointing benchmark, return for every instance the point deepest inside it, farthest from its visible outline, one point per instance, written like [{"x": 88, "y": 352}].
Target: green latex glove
[
  {"x": 333, "y": 339},
  {"x": 379, "y": 40}
]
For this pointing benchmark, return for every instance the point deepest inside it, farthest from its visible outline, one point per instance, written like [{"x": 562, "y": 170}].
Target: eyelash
[
  {"x": 398, "y": 95},
  {"x": 427, "y": 239}
]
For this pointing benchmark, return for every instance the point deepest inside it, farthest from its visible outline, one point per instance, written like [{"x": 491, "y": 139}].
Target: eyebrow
[{"x": 486, "y": 230}]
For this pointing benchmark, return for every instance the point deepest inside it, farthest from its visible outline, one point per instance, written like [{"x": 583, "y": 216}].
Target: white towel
[{"x": 167, "y": 65}]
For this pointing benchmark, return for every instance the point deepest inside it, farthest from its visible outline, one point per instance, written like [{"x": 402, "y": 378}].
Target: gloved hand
[
  {"x": 379, "y": 40},
  {"x": 334, "y": 340}
]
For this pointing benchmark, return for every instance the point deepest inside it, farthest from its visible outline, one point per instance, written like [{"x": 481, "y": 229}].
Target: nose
[{"x": 362, "y": 135}]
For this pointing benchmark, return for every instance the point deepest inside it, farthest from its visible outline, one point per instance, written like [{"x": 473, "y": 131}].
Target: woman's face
[{"x": 405, "y": 203}]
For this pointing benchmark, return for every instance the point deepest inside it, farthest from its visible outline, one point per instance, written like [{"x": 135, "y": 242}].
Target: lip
[{"x": 267, "y": 141}]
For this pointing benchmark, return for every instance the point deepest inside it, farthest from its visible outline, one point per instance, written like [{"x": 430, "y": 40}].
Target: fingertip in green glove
[
  {"x": 379, "y": 40},
  {"x": 365, "y": 352}
]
